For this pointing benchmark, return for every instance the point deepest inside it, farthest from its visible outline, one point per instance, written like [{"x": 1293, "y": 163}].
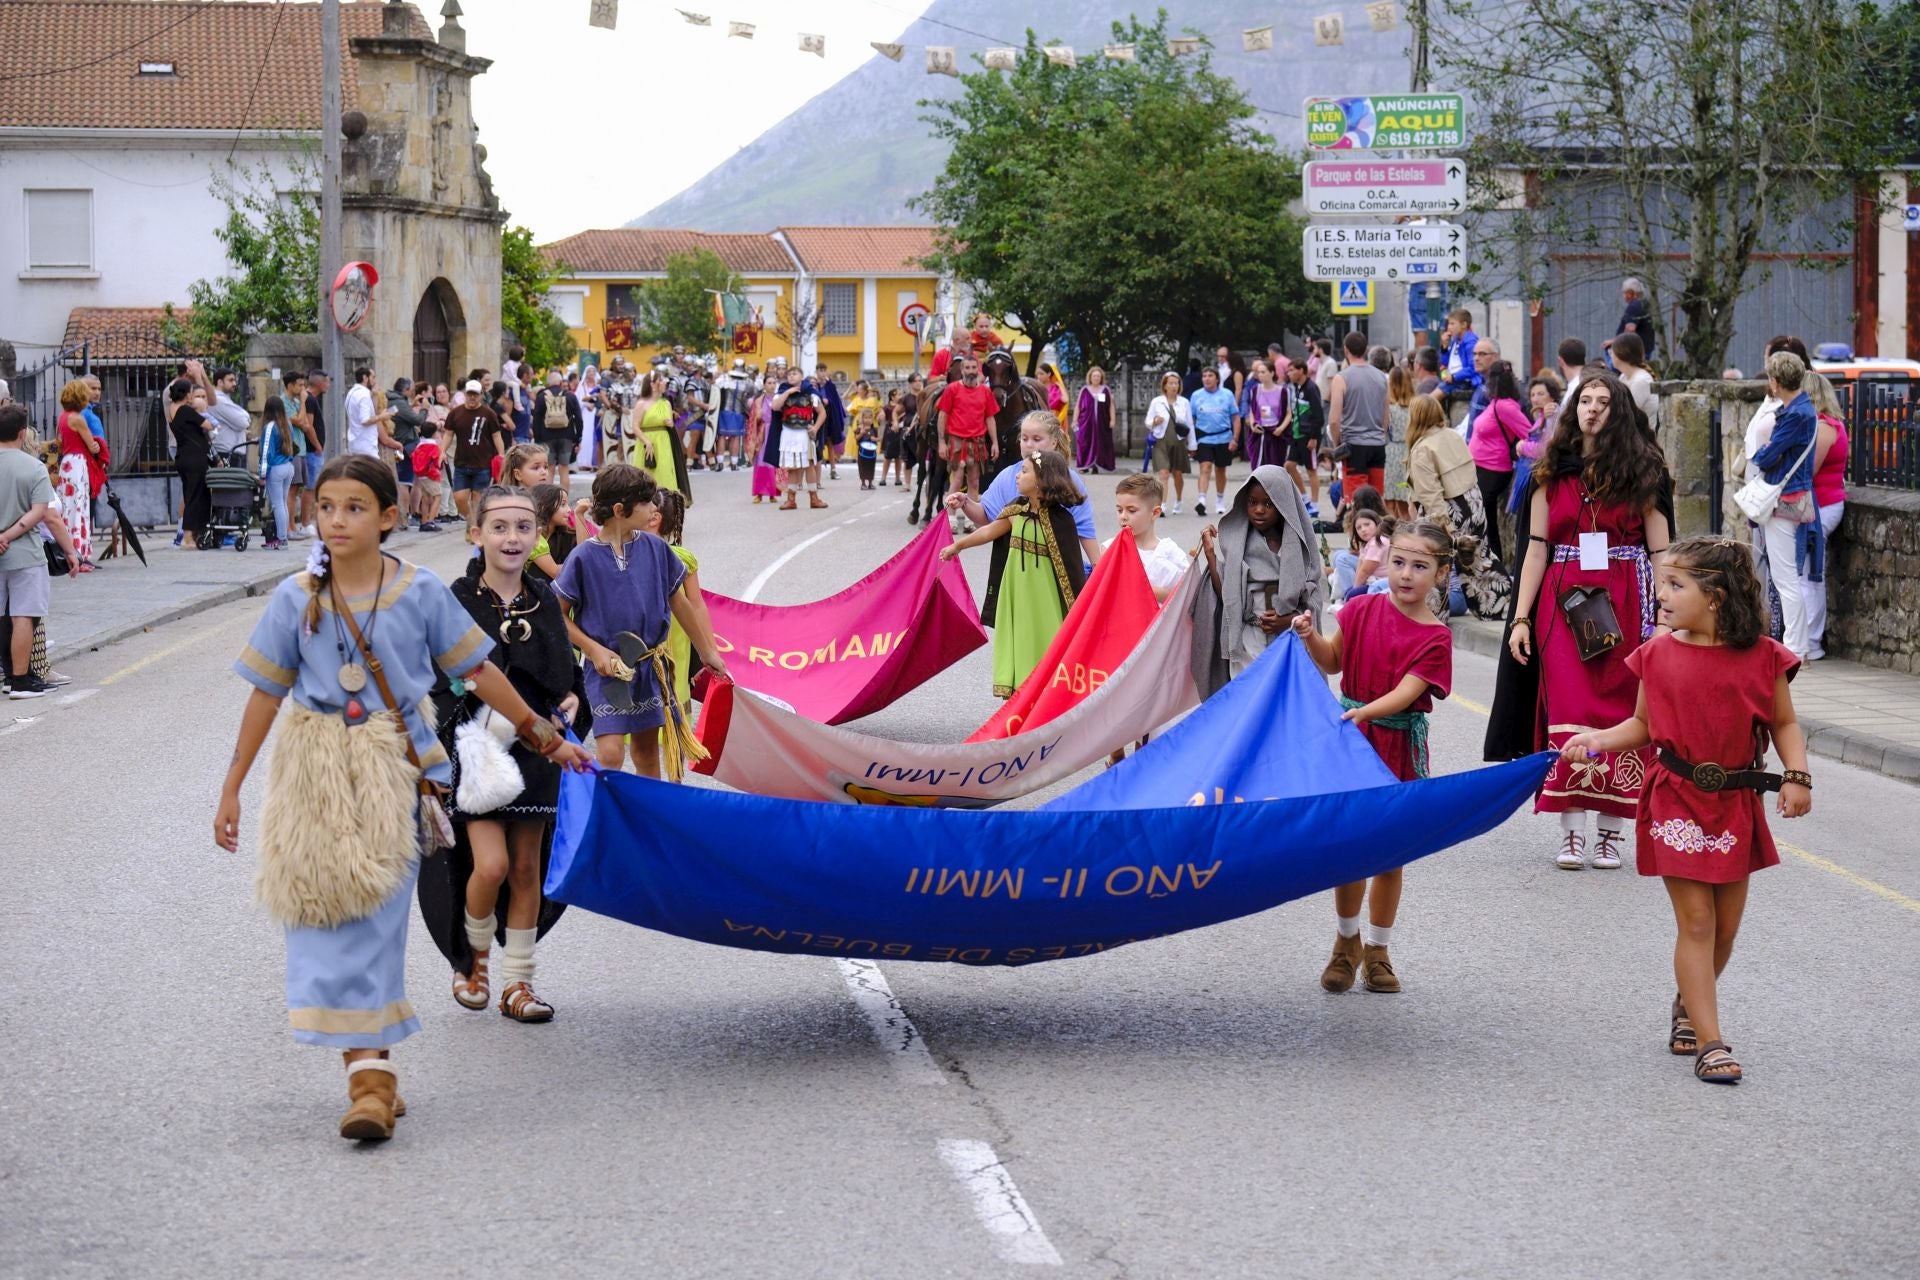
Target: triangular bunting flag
[
  {"x": 891, "y": 52},
  {"x": 1256, "y": 39},
  {"x": 1002, "y": 59},
  {"x": 744, "y": 30},
  {"x": 696, "y": 19},
  {"x": 813, "y": 44}
]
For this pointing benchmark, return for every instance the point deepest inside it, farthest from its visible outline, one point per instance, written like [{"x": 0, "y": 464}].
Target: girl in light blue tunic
[{"x": 339, "y": 832}]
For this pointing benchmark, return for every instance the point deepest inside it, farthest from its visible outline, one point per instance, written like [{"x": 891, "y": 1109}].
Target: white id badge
[{"x": 1593, "y": 552}]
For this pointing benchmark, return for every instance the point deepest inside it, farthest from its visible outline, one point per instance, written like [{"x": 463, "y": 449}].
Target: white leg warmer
[
  {"x": 516, "y": 960},
  {"x": 480, "y": 932}
]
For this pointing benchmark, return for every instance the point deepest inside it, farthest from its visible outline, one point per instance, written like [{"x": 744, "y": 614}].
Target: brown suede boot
[
  {"x": 1338, "y": 975},
  {"x": 1377, "y": 970},
  {"x": 814, "y": 501},
  {"x": 791, "y": 503},
  {"x": 371, "y": 1085}
]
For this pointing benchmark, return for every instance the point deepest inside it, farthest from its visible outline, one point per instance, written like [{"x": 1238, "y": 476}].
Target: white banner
[
  {"x": 1329, "y": 29},
  {"x": 1117, "y": 53},
  {"x": 813, "y": 44},
  {"x": 696, "y": 19},
  {"x": 1060, "y": 55},
  {"x": 940, "y": 60},
  {"x": 604, "y": 13},
  {"x": 1002, "y": 59},
  {"x": 1256, "y": 39},
  {"x": 766, "y": 750},
  {"x": 1383, "y": 14},
  {"x": 891, "y": 52},
  {"x": 1182, "y": 47},
  {"x": 744, "y": 30}
]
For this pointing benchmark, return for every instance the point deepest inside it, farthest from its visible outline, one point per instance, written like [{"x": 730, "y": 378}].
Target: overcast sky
[{"x": 588, "y": 128}]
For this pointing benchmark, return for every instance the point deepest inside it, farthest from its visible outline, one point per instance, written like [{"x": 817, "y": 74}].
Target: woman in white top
[
  {"x": 1167, "y": 449},
  {"x": 589, "y": 397},
  {"x": 1629, "y": 356}
]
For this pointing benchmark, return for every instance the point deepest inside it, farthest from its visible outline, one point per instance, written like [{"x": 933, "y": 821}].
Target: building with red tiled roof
[{"x": 862, "y": 289}]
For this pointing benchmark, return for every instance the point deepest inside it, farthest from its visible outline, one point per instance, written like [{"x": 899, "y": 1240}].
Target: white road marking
[
  {"x": 78, "y": 695},
  {"x": 781, "y": 561},
  {"x": 899, "y": 1039},
  {"x": 997, "y": 1202}
]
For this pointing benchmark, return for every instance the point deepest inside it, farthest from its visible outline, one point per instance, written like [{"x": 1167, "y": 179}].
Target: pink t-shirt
[
  {"x": 1830, "y": 481},
  {"x": 1499, "y": 425}
]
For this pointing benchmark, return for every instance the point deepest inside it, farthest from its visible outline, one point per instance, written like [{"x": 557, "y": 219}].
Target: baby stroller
[{"x": 236, "y": 501}]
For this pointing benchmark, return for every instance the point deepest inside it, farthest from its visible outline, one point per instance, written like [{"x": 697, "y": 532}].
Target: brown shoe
[
  {"x": 1377, "y": 970},
  {"x": 519, "y": 1003},
  {"x": 1338, "y": 975},
  {"x": 790, "y": 504},
  {"x": 815, "y": 502},
  {"x": 371, "y": 1086}
]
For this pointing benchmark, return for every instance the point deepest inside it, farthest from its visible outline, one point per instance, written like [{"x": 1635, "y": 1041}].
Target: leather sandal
[
  {"x": 471, "y": 989},
  {"x": 1682, "y": 1040},
  {"x": 519, "y": 1003},
  {"x": 1715, "y": 1064}
]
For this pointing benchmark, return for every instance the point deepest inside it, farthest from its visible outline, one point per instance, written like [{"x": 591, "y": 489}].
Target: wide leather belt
[{"x": 1715, "y": 777}]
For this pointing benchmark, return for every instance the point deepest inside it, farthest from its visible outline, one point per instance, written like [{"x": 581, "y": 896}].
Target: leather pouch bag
[{"x": 1596, "y": 627}]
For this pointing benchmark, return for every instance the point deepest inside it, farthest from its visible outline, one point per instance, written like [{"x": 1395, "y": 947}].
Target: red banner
[
  {"x": 618, "y": 333},
  {"x": 852, "y": 653},
  {"x": 1103, "y": 627}
]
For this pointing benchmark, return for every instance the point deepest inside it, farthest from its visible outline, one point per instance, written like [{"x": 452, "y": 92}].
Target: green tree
[
  {"x": 273, "y": 243},
  {"x": 1681, "y": 141},
  {"x": 525, "y": 276},
  {"x": 1131, "y": 204},
  {"x": 677, "y": 311}
]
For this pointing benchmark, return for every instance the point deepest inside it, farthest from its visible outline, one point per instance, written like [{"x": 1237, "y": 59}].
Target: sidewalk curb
[
  {"x": 1836, "y": 742},
  {"x": 259, "y": 585}
]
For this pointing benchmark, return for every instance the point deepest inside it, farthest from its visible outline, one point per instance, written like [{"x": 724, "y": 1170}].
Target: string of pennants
[{"x": 945, "y": 60}]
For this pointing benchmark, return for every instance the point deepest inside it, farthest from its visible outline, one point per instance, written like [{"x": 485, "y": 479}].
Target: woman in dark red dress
[
  {"x": 1596, "y": 520},
  {"x": 1711, "y": 695}
]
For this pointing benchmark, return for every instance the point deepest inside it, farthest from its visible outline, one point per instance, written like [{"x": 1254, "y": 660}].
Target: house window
[
  {"x": 570, "y": 305},
  {"x": 623, "y": 300},
  {"x": 59, "y": 230},
  {"x": 839, "y": 310}
]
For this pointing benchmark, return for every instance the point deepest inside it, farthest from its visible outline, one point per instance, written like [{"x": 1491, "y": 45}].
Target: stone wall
[
  {"x": 1686, "y": 429},
  {"x": 1873, "y": 580}
]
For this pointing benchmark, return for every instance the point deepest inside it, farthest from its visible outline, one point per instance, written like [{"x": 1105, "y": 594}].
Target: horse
[{"x": 1016, "y": 396}]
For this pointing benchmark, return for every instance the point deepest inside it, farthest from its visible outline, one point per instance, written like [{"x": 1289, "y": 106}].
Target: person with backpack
[{"x": 557, "y": 425}]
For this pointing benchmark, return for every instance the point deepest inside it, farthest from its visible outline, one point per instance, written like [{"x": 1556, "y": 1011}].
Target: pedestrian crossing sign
[{"x": 1353, "y": 297}]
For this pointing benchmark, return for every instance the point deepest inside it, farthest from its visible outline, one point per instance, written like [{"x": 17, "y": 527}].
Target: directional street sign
[
  {"x": 1352, "y": 297},
  {"x": 1386, "y": 122},
  {"x": 1386, "y": 186},
  {"x": 1429, "y": 251}
]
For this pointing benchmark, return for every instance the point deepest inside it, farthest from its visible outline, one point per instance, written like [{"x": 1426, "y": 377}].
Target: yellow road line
[
  {"x": 1894, "y": 896},
  {"x": 198, "y": 637},
  {"x": 1874, "y": 887}
]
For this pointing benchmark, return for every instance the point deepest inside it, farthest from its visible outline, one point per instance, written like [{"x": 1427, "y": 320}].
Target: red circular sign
[{"x": 913, "y": 315}]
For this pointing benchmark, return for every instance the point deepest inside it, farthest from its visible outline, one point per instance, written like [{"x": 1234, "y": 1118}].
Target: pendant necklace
[
  {"x": 514, "y": 627},
  {"x": 353, "y": 676}
]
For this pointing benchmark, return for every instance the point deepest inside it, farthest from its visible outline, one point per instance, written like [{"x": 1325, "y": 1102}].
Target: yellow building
[
  {"x": 605, "y": 270},
  {"x": 861, "y": 288}
]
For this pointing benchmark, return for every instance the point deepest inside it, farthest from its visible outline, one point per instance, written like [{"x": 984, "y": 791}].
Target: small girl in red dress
[
  {"x": 1711, "y": 694},
  {"x": 1394, "y": 657}
]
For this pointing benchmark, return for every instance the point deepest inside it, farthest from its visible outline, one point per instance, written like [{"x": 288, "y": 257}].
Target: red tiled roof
[
  {"x": 124, "y": 333},
  {"x": 861, "y": 250},
  {"x": 634, "y": 249},
  {"x": 75, "y": 63}
]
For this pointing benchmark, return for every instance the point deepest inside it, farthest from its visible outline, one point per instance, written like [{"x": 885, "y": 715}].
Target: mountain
[{"x": 857, "y": 152}]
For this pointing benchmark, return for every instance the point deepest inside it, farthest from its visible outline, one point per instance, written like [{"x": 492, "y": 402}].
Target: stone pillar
[{"x": 1686, "y": 431}]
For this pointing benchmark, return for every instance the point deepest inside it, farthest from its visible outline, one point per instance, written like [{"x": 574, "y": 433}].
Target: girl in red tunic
[
  {"x": 1711, "y": 694},
  {"x": 1595, "y": 521},
  {"x": 1394, "y": 657}
]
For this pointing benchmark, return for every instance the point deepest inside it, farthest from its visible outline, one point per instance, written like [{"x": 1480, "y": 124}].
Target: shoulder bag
[{"x": 1759, "y": 496}]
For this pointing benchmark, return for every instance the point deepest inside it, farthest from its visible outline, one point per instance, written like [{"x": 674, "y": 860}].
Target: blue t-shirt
[
  {"x": 1213, "y": 415},
  {"x": 1006, "y": 487},
  {"x": 421, "y": 626},
  {"x": 93, "y": 422}
]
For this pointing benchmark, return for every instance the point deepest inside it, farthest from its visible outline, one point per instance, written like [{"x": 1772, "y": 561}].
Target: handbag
[
  {"x": 1596, "y": 628},
  {"x": 436, "y": 828},
  {"x": 1759, "y": 496},
  {"x": 58, "y": 565},
  {"x": 489, "y": 776}
]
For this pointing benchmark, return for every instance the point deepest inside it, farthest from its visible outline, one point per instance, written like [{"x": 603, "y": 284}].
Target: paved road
[{"x": 1194, "y": 1106}]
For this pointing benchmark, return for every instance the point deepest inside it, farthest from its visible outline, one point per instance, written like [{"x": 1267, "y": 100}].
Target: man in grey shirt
[
  {"x": 231, "y": 423},
  {"x": 1357, "y": 420}
]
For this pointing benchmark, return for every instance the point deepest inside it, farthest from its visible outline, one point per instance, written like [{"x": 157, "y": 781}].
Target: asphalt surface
[{"x": 1193, "y": 1106}]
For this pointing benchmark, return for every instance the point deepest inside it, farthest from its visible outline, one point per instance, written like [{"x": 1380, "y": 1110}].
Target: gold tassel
[{"x": 679, "y": 743}]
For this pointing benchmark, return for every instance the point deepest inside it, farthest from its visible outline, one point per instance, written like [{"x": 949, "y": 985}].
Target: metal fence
[
  {"x": 134, "y": 368},
  {"x": 1883, "y": 431}
]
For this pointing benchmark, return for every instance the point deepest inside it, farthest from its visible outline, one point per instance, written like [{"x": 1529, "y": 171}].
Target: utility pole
[
  {"x": 331, "y": 253},
  {"x": 1420, "y": 19}
]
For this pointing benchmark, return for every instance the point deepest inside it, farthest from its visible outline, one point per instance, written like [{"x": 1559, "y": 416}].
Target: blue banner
[{"x": 1182, "y": 835}]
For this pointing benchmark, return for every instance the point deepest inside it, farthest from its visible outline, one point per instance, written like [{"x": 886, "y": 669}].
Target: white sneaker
[
  {"x": 57, "y": 679},
  {"x": 304, "y": 531},
  {"x": 1573, "y": 848},
  {"x": 1174, "y": 509},
  {"x": 1606, "y": 854}
]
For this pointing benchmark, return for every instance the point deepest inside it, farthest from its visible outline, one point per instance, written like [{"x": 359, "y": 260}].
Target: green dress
[
  {"x": 1035, "y": 592},
  {"x": 656, "y": 431}
]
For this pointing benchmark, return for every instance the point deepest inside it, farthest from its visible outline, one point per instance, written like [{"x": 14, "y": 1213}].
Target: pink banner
[{"x": 853, "y": 653}]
